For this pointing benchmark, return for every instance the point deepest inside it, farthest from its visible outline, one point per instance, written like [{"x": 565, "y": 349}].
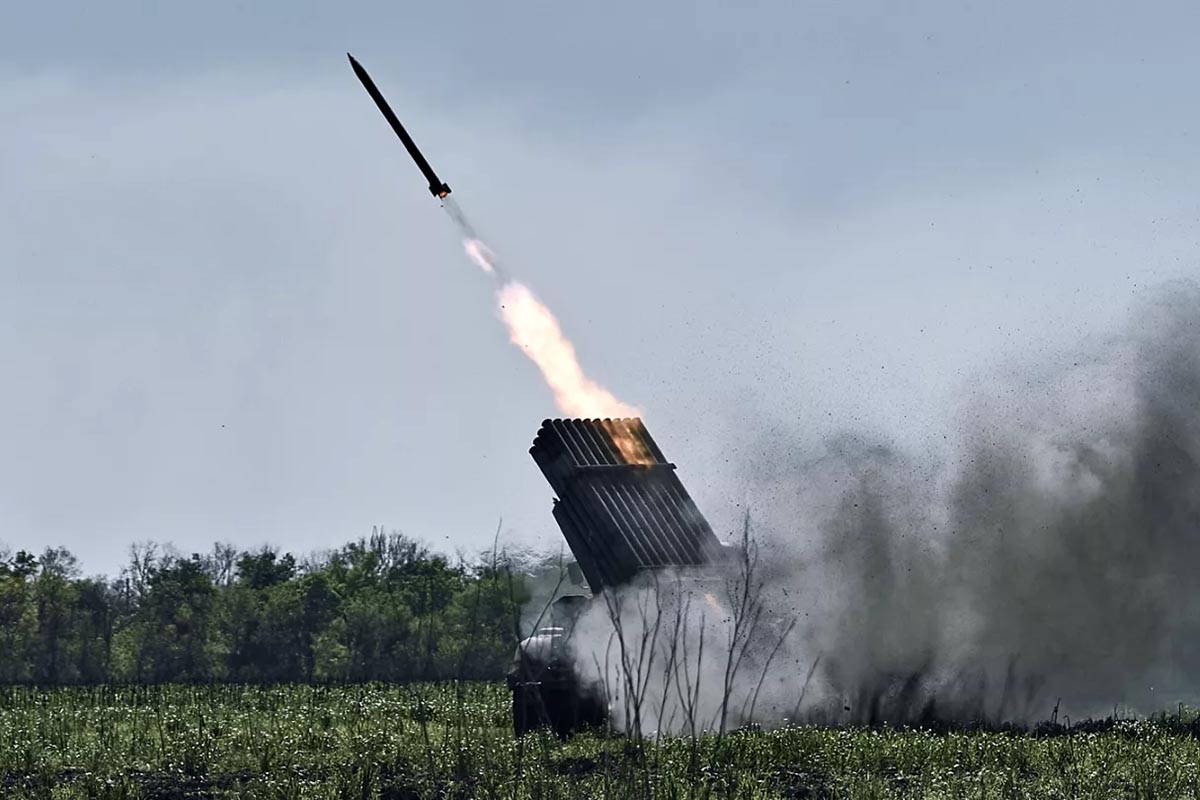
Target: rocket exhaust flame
[{"x": 534, "y": 328}]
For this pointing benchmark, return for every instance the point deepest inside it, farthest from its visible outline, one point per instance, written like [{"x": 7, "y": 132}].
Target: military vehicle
[{"x": 624, "y": 514}]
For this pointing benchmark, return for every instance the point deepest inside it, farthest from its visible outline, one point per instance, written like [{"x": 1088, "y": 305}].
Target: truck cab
[{"x": 546, "y": 689}]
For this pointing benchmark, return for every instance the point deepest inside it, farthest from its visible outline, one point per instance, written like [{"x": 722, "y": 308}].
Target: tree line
[{"x": 382, "y": 608}]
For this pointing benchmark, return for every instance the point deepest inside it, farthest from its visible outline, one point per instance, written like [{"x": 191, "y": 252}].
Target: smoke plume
[{"x": 1047, "y": 554}]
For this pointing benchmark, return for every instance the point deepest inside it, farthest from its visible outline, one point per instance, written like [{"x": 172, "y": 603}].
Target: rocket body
[{"x": 436, "y": 187}]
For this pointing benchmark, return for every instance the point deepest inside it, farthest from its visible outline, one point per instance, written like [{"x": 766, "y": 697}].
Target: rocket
[{"x": 436, "y": 187}]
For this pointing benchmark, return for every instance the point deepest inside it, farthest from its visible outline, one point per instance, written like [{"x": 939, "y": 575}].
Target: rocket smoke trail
[{"x": 533, "y": 328}]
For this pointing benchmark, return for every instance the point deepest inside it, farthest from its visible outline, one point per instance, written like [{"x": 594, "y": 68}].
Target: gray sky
[{"x": 232, "y": 311}]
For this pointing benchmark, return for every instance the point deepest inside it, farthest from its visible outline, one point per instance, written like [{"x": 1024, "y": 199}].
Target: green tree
[
  {"x": 383, "y": 607},
  {"x": 54, "y": 595},
  {"x": 18, "y": 617},
  {"x": 95, "y": 630},
  {"x": 174, "y": 616}
]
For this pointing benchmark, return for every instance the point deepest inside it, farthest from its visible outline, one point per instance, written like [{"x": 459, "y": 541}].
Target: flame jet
[{"x": 436, "y": 187}]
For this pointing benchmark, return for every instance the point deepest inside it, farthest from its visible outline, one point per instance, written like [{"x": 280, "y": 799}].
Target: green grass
[{"x": 448, "y": 740}]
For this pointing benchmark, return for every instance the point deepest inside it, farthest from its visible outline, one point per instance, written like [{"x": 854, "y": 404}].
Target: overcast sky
[{"x": 231, "y": 310}]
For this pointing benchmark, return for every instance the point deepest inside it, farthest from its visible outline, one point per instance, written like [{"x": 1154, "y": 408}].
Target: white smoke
[{"x": 480, "y": 254}]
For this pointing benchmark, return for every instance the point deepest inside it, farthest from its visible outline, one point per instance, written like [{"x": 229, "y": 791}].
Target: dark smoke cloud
[
  {"x": 1049, "y": 550},
  {"x": 1046, "y": 550}
]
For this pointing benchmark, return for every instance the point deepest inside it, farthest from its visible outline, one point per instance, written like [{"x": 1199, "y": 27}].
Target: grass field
[{"x": 450, "y": 740}]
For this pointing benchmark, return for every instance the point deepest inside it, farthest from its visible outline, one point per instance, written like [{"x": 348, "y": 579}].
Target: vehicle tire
[{"x": 525, "y": 713}]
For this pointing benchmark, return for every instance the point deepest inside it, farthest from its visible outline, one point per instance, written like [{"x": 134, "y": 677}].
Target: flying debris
[{"x": 436, "y": 187}]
